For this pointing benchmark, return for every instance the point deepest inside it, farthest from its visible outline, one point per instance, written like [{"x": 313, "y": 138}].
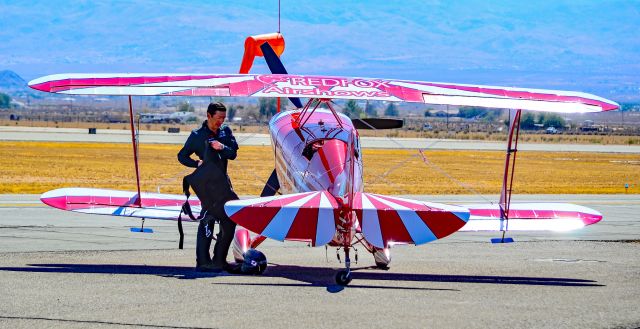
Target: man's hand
[{"x": 217, "y": 145}]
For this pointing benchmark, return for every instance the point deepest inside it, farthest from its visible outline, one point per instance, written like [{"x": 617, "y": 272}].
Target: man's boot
[
  {"x": 203, "y": 243},
  {"x": 225, "y": 238}
]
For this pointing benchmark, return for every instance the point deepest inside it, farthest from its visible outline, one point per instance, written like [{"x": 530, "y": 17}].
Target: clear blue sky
[{"x": 590, "y": 46}]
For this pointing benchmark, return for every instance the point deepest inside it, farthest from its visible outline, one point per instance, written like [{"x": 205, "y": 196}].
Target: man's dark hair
[{"x": 215, "y": 107}]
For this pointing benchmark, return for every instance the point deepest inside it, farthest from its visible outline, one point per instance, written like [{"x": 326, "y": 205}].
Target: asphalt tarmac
[
  {"x": 68, "y": 270},
  {"x": 151, "y": 137}
]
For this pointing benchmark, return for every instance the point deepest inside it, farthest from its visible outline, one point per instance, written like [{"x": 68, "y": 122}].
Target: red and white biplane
[{"x": 316, "y": 191}]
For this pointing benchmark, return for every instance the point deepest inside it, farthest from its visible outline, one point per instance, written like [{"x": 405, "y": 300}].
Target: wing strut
[
  {"x": 507, "y": 180},
  {"x": 138, "y": 201},
  {"x": 305, "y": 114}
]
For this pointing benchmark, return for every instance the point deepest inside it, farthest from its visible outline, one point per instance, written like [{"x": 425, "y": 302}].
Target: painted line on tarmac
[{"x": 21, "y": 205}]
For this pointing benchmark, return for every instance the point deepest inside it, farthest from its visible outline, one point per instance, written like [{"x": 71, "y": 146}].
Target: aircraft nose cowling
[{"x": 328, "y": 164}]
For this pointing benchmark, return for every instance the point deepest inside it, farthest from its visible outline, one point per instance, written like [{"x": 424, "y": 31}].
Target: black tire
[
  {"x": 261, "y": 269},
  {"x": 343, "y": 277}
]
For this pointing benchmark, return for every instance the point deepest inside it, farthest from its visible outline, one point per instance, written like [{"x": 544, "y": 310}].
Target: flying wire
[
  {"x": 425, "y": 160},
  {"x": 167, "y": 181}
]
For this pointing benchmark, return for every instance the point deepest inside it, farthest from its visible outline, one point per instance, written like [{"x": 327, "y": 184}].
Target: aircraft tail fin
[
  {"x": 252, "y": 49},
  {"x": 306, "y": 216}
]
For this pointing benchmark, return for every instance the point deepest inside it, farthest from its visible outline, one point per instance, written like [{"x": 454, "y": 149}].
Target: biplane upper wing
[{"x": 281, "y": 85}]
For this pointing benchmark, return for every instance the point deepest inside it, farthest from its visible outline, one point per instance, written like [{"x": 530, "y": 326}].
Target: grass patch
[{"x": 36, "y": 167}]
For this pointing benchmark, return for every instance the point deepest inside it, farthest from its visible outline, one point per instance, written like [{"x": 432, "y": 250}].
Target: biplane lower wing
[
  {"x": 293, "y": 86},
  {"x": 531, "y": 217},
  {"x": 386, "y": 220},
  {"x": 118, "y": 203}
]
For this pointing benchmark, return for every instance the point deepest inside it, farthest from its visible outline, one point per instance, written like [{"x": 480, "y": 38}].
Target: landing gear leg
[{"x": 343, "y": 277}]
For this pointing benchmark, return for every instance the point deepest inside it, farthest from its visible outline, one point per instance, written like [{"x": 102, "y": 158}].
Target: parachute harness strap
[
  {"x": 180, "y": 232},
  {"x": 186, "y": 209}
]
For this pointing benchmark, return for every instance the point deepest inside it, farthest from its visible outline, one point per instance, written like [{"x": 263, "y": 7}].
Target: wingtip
[
  {"x": 37, "y": 85},
  {"x": 612, "y": 106},
  {"x": 54, "y": 198},
  {"x": 44, "y": 83}
]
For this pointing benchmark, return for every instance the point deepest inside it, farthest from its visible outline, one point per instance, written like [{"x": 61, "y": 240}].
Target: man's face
[{"x": 215, "y": 121}]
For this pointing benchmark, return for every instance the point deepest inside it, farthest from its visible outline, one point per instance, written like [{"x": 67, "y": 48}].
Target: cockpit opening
[{"x": 312, "y": 148}]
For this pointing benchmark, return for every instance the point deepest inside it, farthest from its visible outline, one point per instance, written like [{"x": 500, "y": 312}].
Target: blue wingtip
[
  {"x": 138, "y": 230},
  {"x": 464, "y": 215}
]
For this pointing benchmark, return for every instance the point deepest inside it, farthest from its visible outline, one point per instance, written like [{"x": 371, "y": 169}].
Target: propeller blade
[{"x": 276, "y": 67}]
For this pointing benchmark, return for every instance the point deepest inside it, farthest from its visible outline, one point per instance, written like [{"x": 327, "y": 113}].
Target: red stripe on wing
[
  {"x": 246, "y": 88},
  {"x": 81, "y": 201},
  {"x": 391, "y": 225},
  {"x": 530, "y": 214},
  {"x": 305, "y": 223},
  {"x": 441, "y": 222},
  {"x": 257, "y": 216},
  {"x": 75, "y": 83}
]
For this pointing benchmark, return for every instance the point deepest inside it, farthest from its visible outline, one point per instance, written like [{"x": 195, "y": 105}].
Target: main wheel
[
  {"x": 254, "y": 262},
  {"x": 261, "y": 268},
  {"x": 343, "y": 277}
]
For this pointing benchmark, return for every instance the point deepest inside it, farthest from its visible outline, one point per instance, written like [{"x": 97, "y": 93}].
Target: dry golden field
[{"x": 36, "y": 167}]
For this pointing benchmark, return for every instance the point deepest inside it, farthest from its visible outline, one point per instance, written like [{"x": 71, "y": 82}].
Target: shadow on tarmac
[
  {"x": 94, "y": 322},
  {"x": 308, "y": 276}
]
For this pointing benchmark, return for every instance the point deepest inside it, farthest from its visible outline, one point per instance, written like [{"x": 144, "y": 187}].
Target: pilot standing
[{"x": 212, "y": 142}]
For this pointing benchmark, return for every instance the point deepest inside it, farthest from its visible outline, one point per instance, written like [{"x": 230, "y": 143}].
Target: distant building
[
  {"x": 176, "y": 117},
  {"x": 16, "y": 104}
]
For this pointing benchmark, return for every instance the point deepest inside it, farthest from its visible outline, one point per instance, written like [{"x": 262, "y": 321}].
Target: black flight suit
[{"x": 198, "y": 143}]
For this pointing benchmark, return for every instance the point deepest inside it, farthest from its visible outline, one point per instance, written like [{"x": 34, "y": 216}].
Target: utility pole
[{"x": 447, "y": 118}]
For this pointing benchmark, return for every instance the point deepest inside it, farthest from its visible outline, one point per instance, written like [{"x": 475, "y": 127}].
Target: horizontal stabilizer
[
  {"x": 306, "y": 216},
  {"x": 283, "y": 85},
  {"x": 531, "y": 217},
  {"x": 118, "y": 203},
  {"x": 389, "y": 220},
  {"x": 377, "y": 123}
]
